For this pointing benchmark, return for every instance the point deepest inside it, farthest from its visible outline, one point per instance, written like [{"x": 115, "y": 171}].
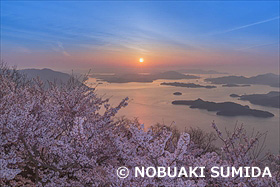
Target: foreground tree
[{"x": 67, "y": 136}]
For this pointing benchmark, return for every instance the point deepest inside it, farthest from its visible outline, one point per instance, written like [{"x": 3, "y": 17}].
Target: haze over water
[{"x": 151, "y": 104}]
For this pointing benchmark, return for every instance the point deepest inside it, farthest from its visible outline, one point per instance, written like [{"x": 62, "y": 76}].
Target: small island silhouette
[
  {"x": 187, "y": 85},
  {"x": 224, "y": 108},
  {"x": 177, "y": 93},
  {"x": 269, "y": 79},
  {"x": 236, "y": 85},
  {"x": 125, "y": 78},
  {"x": 271, "y": 99}
]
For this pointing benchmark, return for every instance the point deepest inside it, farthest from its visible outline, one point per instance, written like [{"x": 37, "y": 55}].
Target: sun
[{"x": 141, "y": 60}]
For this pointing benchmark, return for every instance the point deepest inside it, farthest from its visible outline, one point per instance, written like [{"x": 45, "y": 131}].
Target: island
[
  {"x": 236, "y": 85},
  {"x": 48, "y": 75},
  {"x": 224, "y": 108},
  {"x": 187, "y": 85},
  {"x": 234, "y": 95},
  {"x": 269, "y": 79},
  {"x": 177, "y": 93},
  {"x": 271, "y": 99},
  {"x": 200, "y": 71},
  {"x": 125, "y": 78}
]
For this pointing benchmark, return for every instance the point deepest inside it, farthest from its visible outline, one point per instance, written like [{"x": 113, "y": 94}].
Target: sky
[{"x": 81, "y": 35}]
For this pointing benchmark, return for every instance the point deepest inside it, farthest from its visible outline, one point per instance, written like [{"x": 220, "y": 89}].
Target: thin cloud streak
[
  {"x": 256, "y": 46},
  {"x": 248, "y": 25}
]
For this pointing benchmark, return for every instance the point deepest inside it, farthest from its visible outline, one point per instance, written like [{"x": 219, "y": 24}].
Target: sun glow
[{"x": 141, "y": 60}]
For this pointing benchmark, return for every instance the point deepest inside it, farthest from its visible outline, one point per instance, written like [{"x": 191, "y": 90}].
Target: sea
[{"x": 151, "y": 104}]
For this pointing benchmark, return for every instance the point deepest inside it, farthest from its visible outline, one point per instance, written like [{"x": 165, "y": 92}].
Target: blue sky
[{"x": 58, "y": 33}]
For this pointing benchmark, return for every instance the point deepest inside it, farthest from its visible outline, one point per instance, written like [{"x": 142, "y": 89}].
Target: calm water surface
[{"x": 151, "y": 103}]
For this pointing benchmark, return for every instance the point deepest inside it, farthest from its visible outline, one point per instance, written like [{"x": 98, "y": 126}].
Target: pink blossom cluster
[{"x": 67, "y": 136}]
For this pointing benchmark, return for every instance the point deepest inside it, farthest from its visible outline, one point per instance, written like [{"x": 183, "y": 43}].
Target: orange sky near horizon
[{"x": 130, "y": 59}]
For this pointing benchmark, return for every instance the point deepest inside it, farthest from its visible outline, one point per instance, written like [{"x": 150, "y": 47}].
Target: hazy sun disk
[{"x": 141, "y": 60}]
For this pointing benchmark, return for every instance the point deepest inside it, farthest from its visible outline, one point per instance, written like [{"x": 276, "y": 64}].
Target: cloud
[
  {"x": 248, "y": 25},
  {"x": 59, "y": 48},
  {"x": 256, "y": 46},
  {"x": 24, "y": 50},
  {"x": 65, "y": 53}
]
